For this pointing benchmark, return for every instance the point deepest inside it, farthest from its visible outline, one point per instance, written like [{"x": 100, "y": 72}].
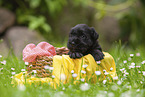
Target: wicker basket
[{"x": 43, "y": 65}]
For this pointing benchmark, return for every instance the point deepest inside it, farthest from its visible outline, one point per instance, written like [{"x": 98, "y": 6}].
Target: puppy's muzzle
[{"x": 72, "y": 43}]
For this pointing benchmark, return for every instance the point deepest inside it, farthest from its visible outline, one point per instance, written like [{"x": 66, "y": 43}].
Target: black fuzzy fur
[{"x": 83, "y": 40}]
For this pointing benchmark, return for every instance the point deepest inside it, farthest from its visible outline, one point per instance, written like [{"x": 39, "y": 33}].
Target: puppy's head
[{"x": 81, "y": 38}]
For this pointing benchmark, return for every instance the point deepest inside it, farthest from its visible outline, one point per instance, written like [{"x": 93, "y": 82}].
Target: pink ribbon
[{"x": 30, "y": 52}]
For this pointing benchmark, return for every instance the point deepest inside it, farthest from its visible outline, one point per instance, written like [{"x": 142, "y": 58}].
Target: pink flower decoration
[{"x": 30, "y": 52}]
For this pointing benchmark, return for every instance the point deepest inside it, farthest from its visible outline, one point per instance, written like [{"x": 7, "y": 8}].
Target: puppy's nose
[{"x": 73, "y": 43}]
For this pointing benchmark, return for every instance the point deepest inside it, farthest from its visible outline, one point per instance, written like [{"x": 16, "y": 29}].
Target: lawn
[{"x": 130, "y": 66}]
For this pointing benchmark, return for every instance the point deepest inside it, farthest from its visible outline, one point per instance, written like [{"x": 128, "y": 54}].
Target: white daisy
[
  {"x": 74, "y": 75},
  {"x": 46, "y": 67},
  {"x": 119, "y": 82},
  {"x": 138, "y": 54},
  {"x": 97, "y": 72},
  {"x": 132, "y": 63},
  {"x": 122, "y": 69},
  {"x": 26, "y": 63},
  {"x": 106, "y": 73},
  {"x": 131, "y": 67},
  {"x": 143, "y": 62},
  {"x": 12, "y": 68},
  {"x": 13, "y": 73},
  {"x": 4, "y": 62},
  {"x": 125, "y": 61},
  {"x": 1, "y": 69},
  {"x": 138, "y": 66},
  {"x": 83, "y": 72},
  {"x": 23, "y": 70},
  {"x": 143, "y": 72},
  {"x": 131, "y": 55},
  {"x": 104, "y": 81},
  {"x": 115, "y": 78},
  {"x": 85, "y": 87},
  {"x": 34, "y": 71},
  {"x": 72, "y": 71},
  {"x": 111, "y": 69},
  {"x": 85, "y": 66},
  {"x": 98, "y": 62},
  {"x": 53, "y": 76},
  {"x": 51, "y": 68},
  {"x": 82, "y": 79},
  {"x": 104, "y": 70},
  {"x": 137, "y": 90}
]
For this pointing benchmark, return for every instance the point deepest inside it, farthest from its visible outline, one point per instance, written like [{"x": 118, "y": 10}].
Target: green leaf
[
  {"x": 46, "y": 28},
  {"x": 34, "y": 3},
  {"x": 33, "y": 25}
]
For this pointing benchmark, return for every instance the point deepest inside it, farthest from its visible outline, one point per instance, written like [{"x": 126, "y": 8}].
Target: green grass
[{"x": 130, "y": 84}]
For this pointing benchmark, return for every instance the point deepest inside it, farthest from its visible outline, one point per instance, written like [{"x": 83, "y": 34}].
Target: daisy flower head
[
  {"x": 53, "y": 76},
  {"x": 82, "y": 79},
  {"x": 51, "y": 68},
  {"x": 132, "y": 63},
  {"x": 4, "y": 62},
  {"x": 83, "y": 72},
  {"x": 119, "y": 82},
  {"x": 131, "y": 66},
  {"x": 72, "y": 71},
  {"x": 104, "y": 81},
  {"x": 106, "y": 73},
  {"x": 125, "y": 61},
  {"x": 74, "y": 75},
  {"x": 85, "y": 66},
  {"x": 131, "y": 55},
  {"x": 115, "y": 78},
  {"x": 104, "y": 70},
  {"x": 13, "y": 73},
  {"x": 137, "y": 54},
  {"x": 143, "y": 72},
  {"x": 34, "y": 71},
  {"x": 111, "y": 69},
  {"x": 98, "y": 62},
  {"x": 97, "y": 72},
  {"x": 23, "y": 70},
  {"x": 143, "y": 62},
  {"x": 122, "y": 69},
  {"x": 138, "y": 66},
  {"x": 85, "y": 87},
  {"x": 26, "y": 63},
  {"x": 12, "y": 68},
  {"x": 46, "y": 67},
  {"x": 1, "y": 69}
]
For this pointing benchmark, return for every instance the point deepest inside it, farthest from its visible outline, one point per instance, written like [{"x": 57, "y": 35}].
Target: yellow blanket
[{"x": 68, "y": 70}]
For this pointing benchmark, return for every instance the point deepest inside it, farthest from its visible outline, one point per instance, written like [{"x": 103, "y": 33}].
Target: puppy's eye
[{"x": 83, "y": 36}]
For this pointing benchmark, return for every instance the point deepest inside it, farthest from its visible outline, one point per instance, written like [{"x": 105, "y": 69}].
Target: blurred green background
[{"x": 114, "y": 20}]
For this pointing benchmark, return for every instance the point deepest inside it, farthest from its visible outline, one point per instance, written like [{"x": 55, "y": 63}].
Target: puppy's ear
[{"x": 94, "y": 34}]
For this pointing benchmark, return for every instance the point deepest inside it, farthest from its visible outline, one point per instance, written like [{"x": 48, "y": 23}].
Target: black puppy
[{"x": 83, "y": 41}]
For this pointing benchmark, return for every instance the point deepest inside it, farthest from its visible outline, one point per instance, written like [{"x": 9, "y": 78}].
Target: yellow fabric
[{"x": 63, "y": 65}]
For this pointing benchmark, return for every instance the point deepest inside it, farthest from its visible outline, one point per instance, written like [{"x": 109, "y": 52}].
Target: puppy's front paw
[
  {"x": 75, "y": 55},
  {"x": 98, "y": 55}
]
